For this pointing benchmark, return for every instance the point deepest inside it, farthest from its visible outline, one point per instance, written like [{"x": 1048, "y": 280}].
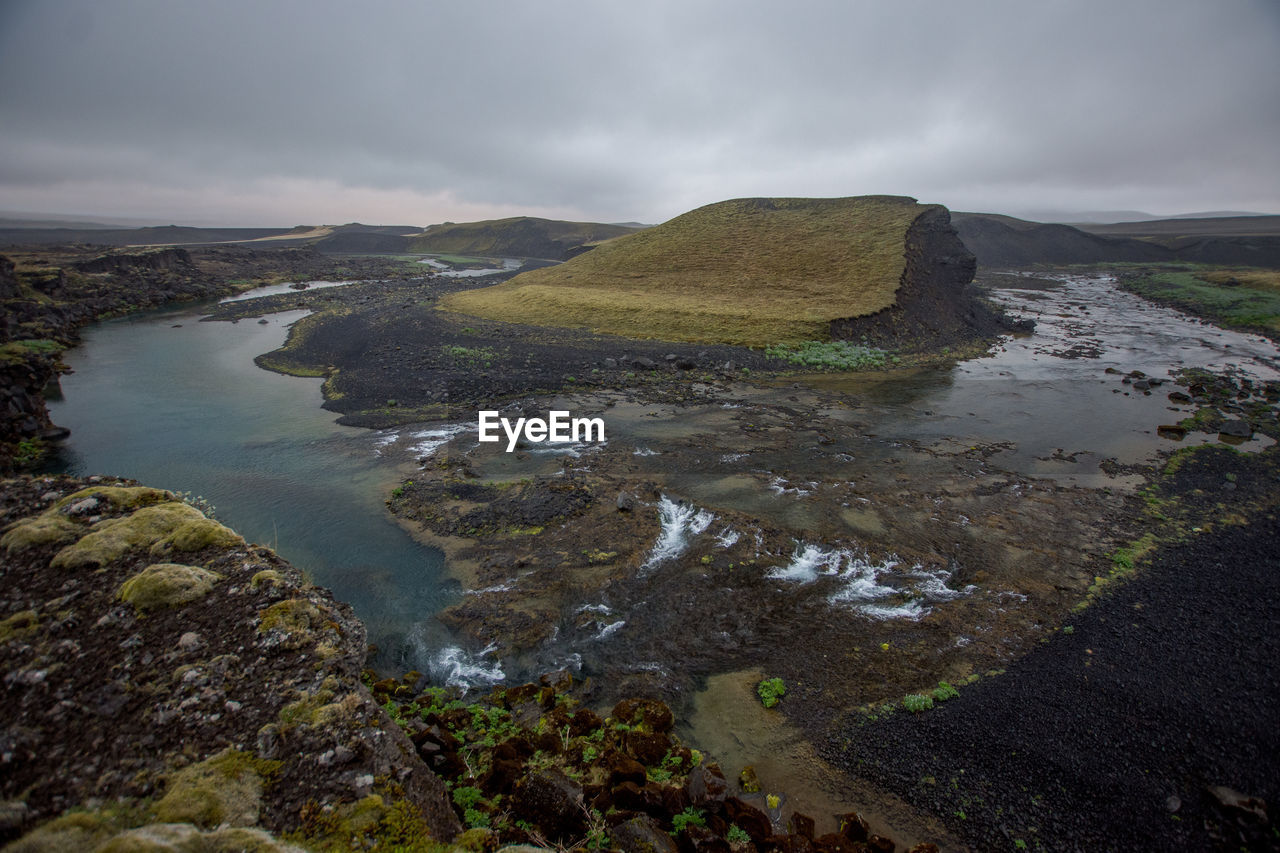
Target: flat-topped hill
[
  {"x": 517, "y": 237},
  {"x": 748, "y": 271}
]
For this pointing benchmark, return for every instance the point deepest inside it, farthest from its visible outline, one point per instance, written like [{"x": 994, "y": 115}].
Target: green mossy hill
[
  {"x": 747, "y": 271},
  {"x": 517, "y": 237}
]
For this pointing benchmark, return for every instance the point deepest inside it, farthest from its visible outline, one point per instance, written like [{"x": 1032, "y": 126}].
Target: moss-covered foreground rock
[{"x": 168, "y": 686}]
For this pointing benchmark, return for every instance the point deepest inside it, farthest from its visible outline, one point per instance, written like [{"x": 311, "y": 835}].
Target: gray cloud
[{"x": 286, "y": 112}]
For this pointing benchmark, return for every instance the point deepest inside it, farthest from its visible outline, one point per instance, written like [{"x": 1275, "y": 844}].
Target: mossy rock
[
  {"x": 186, "y": 838},
  {"x": 167, "y": 585},
  {"x": 319, "y": 709},
  {"x": 19, "y": 626},
  {"x": 295, "y": 619},
  {"x": 48, "y": 528},
  {"x": 73, "y": 831},
  {"x": 120, "y": 497},
  {"x": 163, "y": 528},
  {"x": 224, "y": 789},
  {"x": 266, "y": 577},
  {"x": 102, "y": 834}
]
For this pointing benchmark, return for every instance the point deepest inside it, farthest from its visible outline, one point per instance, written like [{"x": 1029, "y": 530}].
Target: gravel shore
[{"x": 1114, "y": 734}]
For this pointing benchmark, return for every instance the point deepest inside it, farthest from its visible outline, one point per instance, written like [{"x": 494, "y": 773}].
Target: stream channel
[{"x": 177, "y": 403}]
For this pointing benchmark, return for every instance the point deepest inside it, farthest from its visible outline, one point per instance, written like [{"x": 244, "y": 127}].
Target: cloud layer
[{"x": 289, "y": 112}]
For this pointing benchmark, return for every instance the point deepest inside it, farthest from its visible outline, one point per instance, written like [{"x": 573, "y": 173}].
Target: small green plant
[
  {"x": 917, "y": 702},
  {"x": 475, "y": 818},
  {"x": 467, "y": 796},
  {"x": 737, "y": 835},
  {"x": 589, "y": 754},
  {"x": 689, "y": 817},
  {"x": 469, "y": 356},
  {"x": 830, "y": 355},
  {"x": 944, "y": 691},
  {"x": 770, "y": 691}
]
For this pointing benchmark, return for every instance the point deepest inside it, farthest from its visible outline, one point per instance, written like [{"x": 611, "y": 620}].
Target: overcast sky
[{"x": 318, "y": 111}]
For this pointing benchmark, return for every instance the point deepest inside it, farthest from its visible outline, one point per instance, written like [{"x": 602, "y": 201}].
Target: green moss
[
  {"x": 167, "y": 585},
  {"x": 19, "y": 626},
  {"x": 266, "y": 577},
  {"x": 73, "y": 831},
  {"x": 296, "y": 618},
  {"x": 320, "y": 708},
  {"x": 370, "y": 824},
  {"x": 164, "y": 528},
  {"x": 120, "y": 497},
  {"x": 48, "y": 528},
  {"x": 224, "y": 789}
]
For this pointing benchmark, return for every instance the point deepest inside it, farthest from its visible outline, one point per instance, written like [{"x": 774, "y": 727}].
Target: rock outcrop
[
  {"x": 153, "y": 660},
  {"x": 934, "y": 304}
]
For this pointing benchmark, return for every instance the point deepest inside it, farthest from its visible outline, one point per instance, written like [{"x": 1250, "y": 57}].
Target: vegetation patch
[
  {"x": 832, "y": 355},
  {"x": 167, "y": 585},
  {"x": 1244, "y": 298},
  {"x": 164, "y": 528},
  {"x": 770, "y": 691},
  {"x": 461, "y": 356},
  {"x": 48, "y": 528},
  {"x": 748, "y": 271},
  {"x": 224, "y": 789}
]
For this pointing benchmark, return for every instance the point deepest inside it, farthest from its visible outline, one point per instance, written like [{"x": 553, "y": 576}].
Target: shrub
[
  {"x": 770, "y": 691},
  {"x": 917, "y": 702},
  {"x": 830, "y": 355}
]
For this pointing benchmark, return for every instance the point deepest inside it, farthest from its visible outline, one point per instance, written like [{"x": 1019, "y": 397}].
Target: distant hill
[
  {"x": 1202, "y": 226},
  {"x": 1004, "y": 241},
  {"x": 181, "y": 235},
  {"x": 351, "y": 238},
  {"x": 748, "y": 271},
  {"x": 517, "y": 237}
]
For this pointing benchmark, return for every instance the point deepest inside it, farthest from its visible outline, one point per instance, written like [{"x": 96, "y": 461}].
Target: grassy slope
[
  {"x": 491, "y": 236},
  {"x": 747, "y": 271},
  {"x": 1252, "y": 302}
]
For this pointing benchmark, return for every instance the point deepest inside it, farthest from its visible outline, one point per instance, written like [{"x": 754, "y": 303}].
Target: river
[
  {"x": 179, "y": 404},
  {"x": 174, "y": 402}
]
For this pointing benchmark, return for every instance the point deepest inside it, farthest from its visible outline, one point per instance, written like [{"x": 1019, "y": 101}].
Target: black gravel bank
[{"x": 1113, "y": 735}]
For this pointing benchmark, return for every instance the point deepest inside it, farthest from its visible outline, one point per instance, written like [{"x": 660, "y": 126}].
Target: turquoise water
[{"x": 179, "y": 404}]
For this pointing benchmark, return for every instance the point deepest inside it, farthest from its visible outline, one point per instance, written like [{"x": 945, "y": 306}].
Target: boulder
[
  {"x": 706, "y": 785},
  {"x": 642, "y": 834},
  {"x": 551, "y": 801}
]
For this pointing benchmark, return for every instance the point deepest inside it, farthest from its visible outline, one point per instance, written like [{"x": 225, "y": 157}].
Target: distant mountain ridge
[
  {"x": 1006, "y": 241},
  {"x": 516, "y": 237}
]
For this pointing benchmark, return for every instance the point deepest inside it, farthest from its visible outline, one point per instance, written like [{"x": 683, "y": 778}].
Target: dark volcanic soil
[{"x": 1112, "y": 736}]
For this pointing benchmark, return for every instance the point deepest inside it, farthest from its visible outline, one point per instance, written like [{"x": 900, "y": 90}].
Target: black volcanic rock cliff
[{"x": 935, "y": 305}]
